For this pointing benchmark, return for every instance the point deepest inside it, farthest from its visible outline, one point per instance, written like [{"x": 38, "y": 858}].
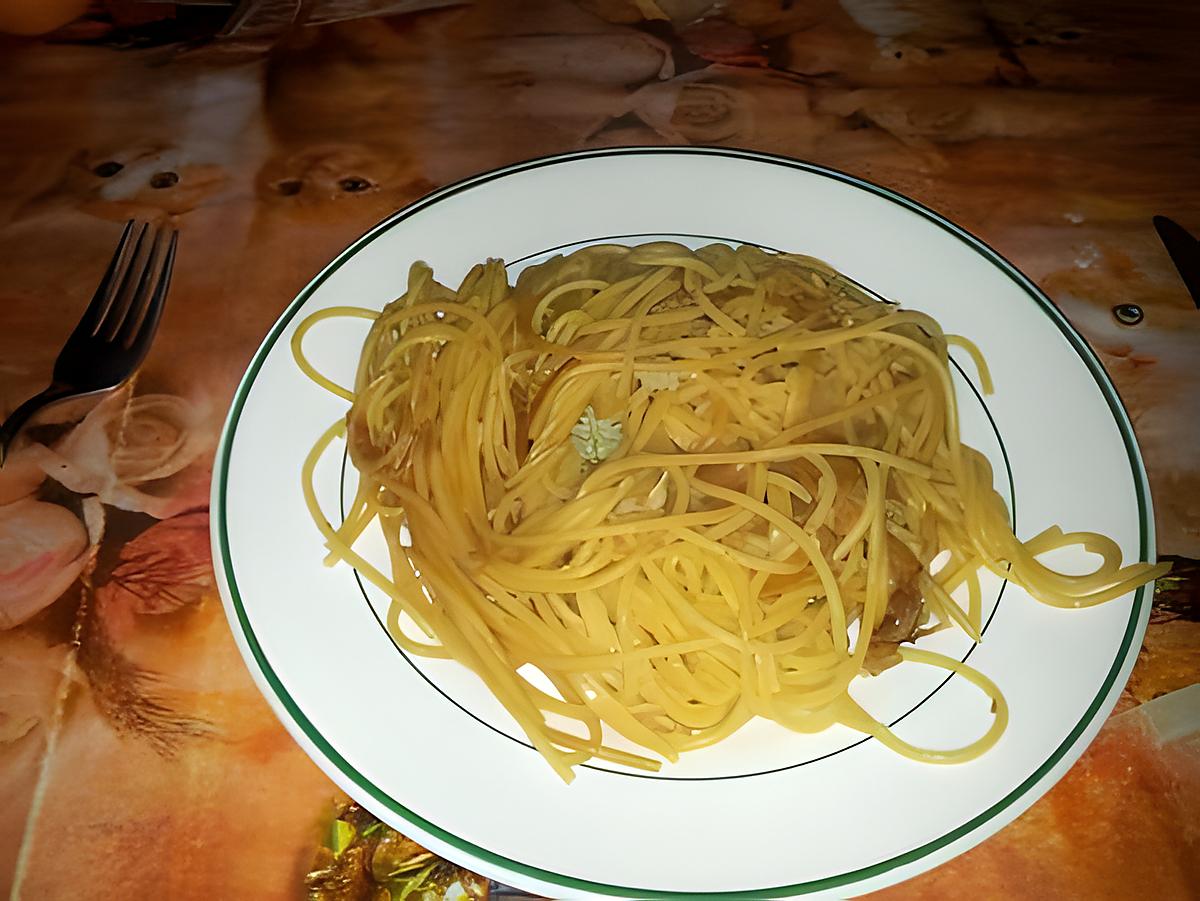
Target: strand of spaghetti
[
  {"x": 789, "y": 436},
  {"x": 805, "y": 541},
  {"x": 297, "y": 345},
  {"x": 947, "y": 606},
  {"x": 394, "y": 319},
  {"x": 788, "y": 339},
  {"x": 606, "y": 472},
  {"x": 550, "y": 296},
  {"x": 653, "y": 320},
  {"x": 981, "y": 366},
  {"x": 604, "y": 752},
  {"x": 652, "y": 523},
  {"x": 862, "y": 721},
  {"x": 389, "y": 587}
]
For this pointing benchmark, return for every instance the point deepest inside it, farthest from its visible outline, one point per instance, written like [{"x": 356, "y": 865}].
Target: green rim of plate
[{"x": 221, "y": 534}]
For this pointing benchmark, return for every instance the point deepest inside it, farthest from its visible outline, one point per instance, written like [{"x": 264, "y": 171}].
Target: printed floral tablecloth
[{"x": 137, "y": 759}]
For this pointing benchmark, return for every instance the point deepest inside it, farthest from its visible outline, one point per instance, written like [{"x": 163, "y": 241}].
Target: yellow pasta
[{"x": 689, "y": 487}]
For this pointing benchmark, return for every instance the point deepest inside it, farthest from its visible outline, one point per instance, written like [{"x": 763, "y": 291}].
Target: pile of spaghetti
[{"x": 689, "y": 487}]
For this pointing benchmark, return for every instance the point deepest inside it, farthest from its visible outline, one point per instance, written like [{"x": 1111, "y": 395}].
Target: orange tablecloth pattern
[{"x": 137, "y": 760}]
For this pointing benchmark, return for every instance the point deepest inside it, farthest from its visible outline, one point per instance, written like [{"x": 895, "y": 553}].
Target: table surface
[{"x": 136, "y": 756}]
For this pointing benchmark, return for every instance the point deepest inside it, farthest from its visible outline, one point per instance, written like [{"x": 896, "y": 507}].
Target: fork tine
[
  {"x": 124, "y": 294},
  {"x": 101, "y": 299},
  {"x": 142, "y": 293},
  {"x": 139, "y": 341}
]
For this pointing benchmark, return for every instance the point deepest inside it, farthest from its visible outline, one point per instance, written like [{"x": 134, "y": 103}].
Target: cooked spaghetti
[{"x": 689, "y": 487}]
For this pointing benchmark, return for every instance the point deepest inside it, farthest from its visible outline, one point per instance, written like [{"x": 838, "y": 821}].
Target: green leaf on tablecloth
[{"x": 341, "y": 834}]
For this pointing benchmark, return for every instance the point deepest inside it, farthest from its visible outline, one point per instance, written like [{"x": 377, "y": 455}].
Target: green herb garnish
[{"x": 595, "y": 439}]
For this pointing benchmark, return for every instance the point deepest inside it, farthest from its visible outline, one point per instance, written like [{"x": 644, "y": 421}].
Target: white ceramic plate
[{"x": 767, "y": 813}]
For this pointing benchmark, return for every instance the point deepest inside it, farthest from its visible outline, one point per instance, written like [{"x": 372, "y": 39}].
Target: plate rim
[{"x": 266, "y": 678}]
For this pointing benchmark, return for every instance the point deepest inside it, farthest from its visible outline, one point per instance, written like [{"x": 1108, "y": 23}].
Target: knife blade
[{"x": 1184, "y": 251}]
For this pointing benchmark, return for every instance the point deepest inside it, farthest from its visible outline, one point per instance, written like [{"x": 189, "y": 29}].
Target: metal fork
[{"x": 117, "y": 327}]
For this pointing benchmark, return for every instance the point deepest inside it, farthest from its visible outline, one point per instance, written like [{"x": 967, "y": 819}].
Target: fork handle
[{"x": 18, "y": 417}]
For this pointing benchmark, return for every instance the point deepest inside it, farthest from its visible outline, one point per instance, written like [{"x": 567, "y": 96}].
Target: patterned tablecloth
[{"x": 137, "y": 760}]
